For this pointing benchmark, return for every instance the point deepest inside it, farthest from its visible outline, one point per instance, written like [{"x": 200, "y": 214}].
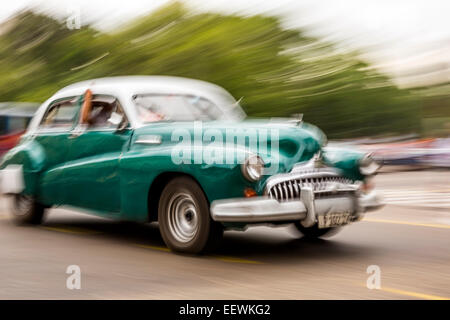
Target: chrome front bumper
[
  {"x": 257, "y": 209},
  {"x": 306, "y": 209}
]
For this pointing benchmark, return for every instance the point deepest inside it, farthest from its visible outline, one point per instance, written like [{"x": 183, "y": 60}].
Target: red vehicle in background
[{"x": 14, "y": 120}]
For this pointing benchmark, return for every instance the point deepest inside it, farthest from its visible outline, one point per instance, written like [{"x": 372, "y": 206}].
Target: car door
[
  {"x": 52, "y": 142},
  {"x": 92, "y": 169}
]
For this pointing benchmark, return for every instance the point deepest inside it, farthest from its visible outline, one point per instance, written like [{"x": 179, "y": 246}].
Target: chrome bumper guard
[{"x": 306, "y": 209}]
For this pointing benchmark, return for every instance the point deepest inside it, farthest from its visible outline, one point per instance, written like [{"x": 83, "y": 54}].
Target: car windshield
[{"x": 182, "y": 107}]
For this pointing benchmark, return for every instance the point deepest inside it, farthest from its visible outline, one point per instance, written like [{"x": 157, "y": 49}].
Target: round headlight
[
  {"x": 368, "y": 166},
  {"x": 253, "y": 168}
]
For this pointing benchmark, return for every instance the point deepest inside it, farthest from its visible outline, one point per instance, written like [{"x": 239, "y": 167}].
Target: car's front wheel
[
  {"x": 316, "y": 232},
  {"x": 184, "y": 219},
  {"x": 26, "y": 210}
]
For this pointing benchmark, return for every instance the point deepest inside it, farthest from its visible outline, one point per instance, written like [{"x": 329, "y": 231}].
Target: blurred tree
[{"x": 279, "y": 72}]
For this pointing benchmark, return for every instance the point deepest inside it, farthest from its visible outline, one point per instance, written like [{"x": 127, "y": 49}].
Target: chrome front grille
[{"x": 288, "y": 187}]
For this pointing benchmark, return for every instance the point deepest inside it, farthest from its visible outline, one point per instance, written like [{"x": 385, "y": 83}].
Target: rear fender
[{"x": 31, "y": 157}]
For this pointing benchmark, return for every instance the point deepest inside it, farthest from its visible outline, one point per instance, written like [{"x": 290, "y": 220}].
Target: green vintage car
[{"x": 180, "y": 152}]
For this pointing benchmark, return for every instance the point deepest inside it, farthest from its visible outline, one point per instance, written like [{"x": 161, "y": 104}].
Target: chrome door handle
[
  {"x": 74, "y": 135},
  {"x": 77, "y": 131}
]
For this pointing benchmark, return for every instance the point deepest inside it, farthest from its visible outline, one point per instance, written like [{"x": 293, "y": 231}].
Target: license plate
[{"x": 333, "y": 220}]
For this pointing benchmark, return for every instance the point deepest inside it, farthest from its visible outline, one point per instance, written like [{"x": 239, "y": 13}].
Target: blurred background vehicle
[
  {"x": 438, "y": 154},
  {"x": 405, "y": 152},
  {"x": 14, "y": 119}
]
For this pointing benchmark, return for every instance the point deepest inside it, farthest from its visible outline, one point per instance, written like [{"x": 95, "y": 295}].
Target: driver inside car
[
  {"x": 100, "y": 114},
  {"x": 97, "y": 111}
]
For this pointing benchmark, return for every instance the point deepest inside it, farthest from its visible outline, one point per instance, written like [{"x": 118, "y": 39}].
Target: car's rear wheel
[
  {"x": 26, "y": 210},
  {"x": 315, "y": 232},
  {"x": 184, "y": 219}
]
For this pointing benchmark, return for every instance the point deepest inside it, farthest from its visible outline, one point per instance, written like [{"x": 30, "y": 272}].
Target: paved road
[{"x": 408, "y": 240}]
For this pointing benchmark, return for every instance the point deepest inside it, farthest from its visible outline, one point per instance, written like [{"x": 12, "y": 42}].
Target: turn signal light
[{"x": 249, "y": 192}]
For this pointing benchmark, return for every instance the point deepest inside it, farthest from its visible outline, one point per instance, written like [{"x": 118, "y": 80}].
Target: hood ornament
[
  {"x": 311, "y": 164},
  {"x": 297, "y": 118}
]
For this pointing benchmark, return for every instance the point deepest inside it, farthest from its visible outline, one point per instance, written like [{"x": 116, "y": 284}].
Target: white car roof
[
  {"x": 145, "y": 84},
  {"x": 125, "y": 87}
]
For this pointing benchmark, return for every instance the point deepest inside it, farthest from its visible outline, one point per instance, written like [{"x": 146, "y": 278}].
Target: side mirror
[{"x": 115, "y": 119}]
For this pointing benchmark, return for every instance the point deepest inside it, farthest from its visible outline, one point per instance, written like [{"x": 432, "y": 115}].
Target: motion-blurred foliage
[{"x": 279, "y": 72}]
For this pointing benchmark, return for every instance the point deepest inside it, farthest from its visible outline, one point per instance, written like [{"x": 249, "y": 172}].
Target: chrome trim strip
[{"x": 149, "y": 139}]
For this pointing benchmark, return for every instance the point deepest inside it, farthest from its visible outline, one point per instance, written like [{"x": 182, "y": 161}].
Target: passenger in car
[{"x": 100, "y": 114}]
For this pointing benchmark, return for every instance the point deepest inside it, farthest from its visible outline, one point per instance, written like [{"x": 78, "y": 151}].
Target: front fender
[
  {"x": 142, "y": 165},
  {"x": 347, "y": 160}
]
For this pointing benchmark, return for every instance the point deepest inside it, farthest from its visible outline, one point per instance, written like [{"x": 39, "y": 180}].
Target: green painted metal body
[{"x": 111, "y": 174}]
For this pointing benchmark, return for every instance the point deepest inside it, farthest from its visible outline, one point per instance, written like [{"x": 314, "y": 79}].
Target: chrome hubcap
[{"x": 183, "y": 217}]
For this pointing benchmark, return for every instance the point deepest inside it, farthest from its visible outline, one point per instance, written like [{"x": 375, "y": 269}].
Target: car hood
[{"x": 284, "y": 141}]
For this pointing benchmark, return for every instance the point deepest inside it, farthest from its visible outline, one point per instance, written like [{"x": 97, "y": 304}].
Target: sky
[{"x": 409, "y": 39}]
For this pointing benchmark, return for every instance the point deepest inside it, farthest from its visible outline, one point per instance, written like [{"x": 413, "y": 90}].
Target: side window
[
  {"x": 105, "y": 111},
  {"x": 60, "y": 114}
]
